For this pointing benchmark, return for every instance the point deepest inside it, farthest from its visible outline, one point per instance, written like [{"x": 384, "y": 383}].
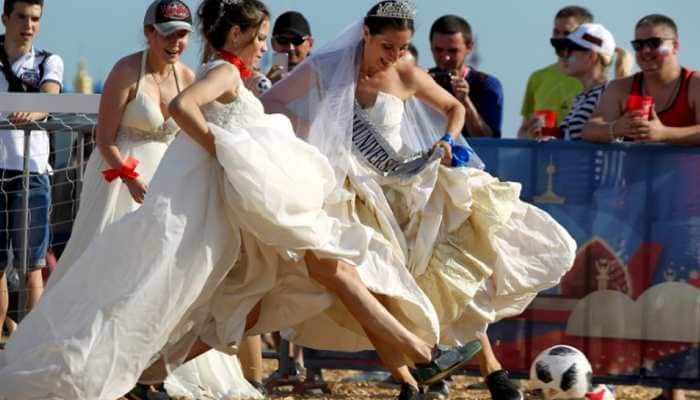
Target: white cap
[{"x": 594, "y": 37}]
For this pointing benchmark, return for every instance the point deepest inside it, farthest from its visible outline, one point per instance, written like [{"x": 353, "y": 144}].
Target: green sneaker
[{"x": 446, "y": 360}]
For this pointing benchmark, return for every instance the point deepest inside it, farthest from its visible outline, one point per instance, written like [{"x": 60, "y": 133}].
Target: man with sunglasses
[
  {"x": 549, "y": 89},
  {"x": 291, "y": 35},
  {"x": 674, "y": 116}
]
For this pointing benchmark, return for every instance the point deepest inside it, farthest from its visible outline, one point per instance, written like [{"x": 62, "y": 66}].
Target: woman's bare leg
[
  {"x": 250, "y": 355},
  {"x": 343, "y": 280},
  {"x": 488, "y": 362},
  {"x": 157, "y": 372},
  {"x": 393, "y": 360},
  {"x": 4, "y": 299}
]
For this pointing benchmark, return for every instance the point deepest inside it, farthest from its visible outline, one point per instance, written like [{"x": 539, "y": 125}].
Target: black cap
[{"x": 293, "y": 22}]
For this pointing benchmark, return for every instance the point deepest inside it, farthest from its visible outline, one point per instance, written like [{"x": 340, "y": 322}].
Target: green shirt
[{"x": 549, "y": 89}]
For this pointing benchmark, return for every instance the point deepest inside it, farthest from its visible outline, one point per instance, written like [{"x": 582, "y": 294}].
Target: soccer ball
[
  {"x": 561, "y": 372},
  {"x": 261, "y": 84}
]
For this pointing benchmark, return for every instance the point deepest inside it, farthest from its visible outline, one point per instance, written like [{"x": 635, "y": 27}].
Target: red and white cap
[{"x": 594, "y": 37}]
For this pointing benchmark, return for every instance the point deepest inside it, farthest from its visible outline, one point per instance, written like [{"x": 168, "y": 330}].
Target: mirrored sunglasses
[
  {"x": 651, "y": 43},
  {"x": 563, "y": 46}
]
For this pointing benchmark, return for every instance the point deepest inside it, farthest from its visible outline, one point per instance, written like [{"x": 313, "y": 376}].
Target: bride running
[
  {"x": 477, "y": 251},
  {"x": 133, "y": 132},
  {"x": 232, "y": 239}
]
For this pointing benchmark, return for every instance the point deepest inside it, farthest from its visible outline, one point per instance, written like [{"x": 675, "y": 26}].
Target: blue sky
[{"x": 512, "y": 35}]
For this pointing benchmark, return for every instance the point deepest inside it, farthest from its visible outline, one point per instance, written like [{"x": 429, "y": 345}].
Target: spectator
[
  {"x": 586, "y": 55},
  {"x": 25, "y": 69},
  {"x": 548, "y": 89},
  {"x": 482, "y": 97},
  {"x": 675, "y": 90},
  {"x": 291, "y": 35},
  {"x": 481, "y": 94}
]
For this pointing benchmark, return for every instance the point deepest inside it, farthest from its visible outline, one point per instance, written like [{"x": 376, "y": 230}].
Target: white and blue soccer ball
[{"x": 561, "y": 372}]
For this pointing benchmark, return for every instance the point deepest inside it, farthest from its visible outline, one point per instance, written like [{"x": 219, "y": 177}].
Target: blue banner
[{"x": 631, "y": 302}]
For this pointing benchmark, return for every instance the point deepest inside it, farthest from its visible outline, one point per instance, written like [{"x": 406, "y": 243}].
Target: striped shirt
[{"x": 584, "y": 106}]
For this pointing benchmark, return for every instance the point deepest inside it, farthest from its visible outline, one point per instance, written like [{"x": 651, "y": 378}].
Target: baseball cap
[
  {"x": 168, "y": 16},
  {"x": 293, "y": 22},
  {"x": 593, "y": 37}
]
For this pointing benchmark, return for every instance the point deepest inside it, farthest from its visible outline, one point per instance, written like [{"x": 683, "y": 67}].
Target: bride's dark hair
[
  {"x": 217, "y": 17},
  {"x": 377, "y": 24}
]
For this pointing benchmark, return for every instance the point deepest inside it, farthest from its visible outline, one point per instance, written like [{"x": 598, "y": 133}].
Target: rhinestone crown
[{"x": 403, "y": 9}]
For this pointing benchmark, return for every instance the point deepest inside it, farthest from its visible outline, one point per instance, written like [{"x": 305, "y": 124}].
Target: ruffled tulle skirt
[
  {"x": 477, "y": 251},
  {"x": 214, "y": 238}
]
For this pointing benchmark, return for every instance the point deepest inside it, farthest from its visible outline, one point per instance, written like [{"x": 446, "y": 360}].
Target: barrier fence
[
  {"x": 70, "y": 128},
  {"x": 631, "y": 302}
]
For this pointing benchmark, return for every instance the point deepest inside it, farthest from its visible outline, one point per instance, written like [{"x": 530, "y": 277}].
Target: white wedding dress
[
  {"x": 145, "y": 135},
  {"x": 213, "y": 238},
  {"x": 475, "y": 249}
]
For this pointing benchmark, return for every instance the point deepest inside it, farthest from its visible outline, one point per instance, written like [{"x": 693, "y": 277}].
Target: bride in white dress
[
  {"x": 132, "y": 126},
  {"x": 477, "y": 251},
  {"x": 222, "y": 246}
]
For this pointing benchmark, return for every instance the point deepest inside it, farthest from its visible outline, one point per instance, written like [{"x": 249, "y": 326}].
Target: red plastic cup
[
  {"x": 549, "y": 118},
  {"x": 641, "y": 104}
]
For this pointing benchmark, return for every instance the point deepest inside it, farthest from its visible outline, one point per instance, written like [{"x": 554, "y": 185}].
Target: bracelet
[
  {"x": 611, "y": 130},
  {"x": 126, "y": 171},
  {"x": 448, "y": 139}
]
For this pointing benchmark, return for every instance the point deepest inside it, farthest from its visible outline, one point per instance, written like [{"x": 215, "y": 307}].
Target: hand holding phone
[{"x": 281, "y": 61}]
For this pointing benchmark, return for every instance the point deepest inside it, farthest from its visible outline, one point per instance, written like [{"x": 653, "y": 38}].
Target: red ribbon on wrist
[{"x": 126, "y": 171}]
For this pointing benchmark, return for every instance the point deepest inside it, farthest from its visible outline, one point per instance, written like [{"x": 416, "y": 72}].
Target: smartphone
[
  {"x": 444, "y": 79},
  {"x": 281, "y": 60}
]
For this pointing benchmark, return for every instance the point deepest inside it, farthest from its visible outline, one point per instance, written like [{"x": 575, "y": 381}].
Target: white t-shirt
[{"x": 12, "y": 141}]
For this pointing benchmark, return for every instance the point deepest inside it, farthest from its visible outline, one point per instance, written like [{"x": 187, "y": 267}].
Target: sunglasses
[
  {"x": 563, "y": 46},
  {"x": 296, "y": 40},
  {"x": 651, "y": 43}
]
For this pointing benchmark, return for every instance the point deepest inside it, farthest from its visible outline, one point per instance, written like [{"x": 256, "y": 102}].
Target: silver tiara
[
  {"x": 231, "y": 2},
  {"x": 402, "y": 9}
]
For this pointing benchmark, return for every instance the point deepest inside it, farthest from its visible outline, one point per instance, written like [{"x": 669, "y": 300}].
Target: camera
[{"x": 443, "y": 78}]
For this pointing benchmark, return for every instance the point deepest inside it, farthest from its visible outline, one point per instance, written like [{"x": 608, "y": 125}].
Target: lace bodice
[
  {"x": 244, "y": 111},
  {"x": 386, "y": 115}
]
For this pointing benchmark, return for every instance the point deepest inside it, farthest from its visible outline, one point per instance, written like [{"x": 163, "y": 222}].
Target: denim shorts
[{"x": 11, "y": 223}]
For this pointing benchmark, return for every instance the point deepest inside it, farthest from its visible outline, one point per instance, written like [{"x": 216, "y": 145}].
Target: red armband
[{"x": 126, "y": 171}]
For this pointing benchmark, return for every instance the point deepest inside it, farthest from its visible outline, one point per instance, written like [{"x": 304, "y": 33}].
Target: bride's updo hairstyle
[
  {"x": 217, "y": 17},
  {"x": 394, "y": 14}
]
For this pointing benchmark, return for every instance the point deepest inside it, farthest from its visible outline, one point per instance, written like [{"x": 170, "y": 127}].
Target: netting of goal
[{"x": 70, "y": 127}]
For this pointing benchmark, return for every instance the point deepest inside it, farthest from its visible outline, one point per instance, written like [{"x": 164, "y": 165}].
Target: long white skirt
[
  {"x": 152, "y": 282},
  {"x": 213, "y": 375},
  {"x": 101, "y": 204}
]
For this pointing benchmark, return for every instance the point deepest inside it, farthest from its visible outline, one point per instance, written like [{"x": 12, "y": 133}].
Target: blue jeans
[{"x": 11, "y": 223}]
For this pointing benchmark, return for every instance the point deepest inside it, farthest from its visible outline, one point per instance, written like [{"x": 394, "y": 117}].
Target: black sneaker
[
  {"x": 439, "y": 390},
  {"x": 501, "y": 387},
  {"x": 408, "y": 392}
]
